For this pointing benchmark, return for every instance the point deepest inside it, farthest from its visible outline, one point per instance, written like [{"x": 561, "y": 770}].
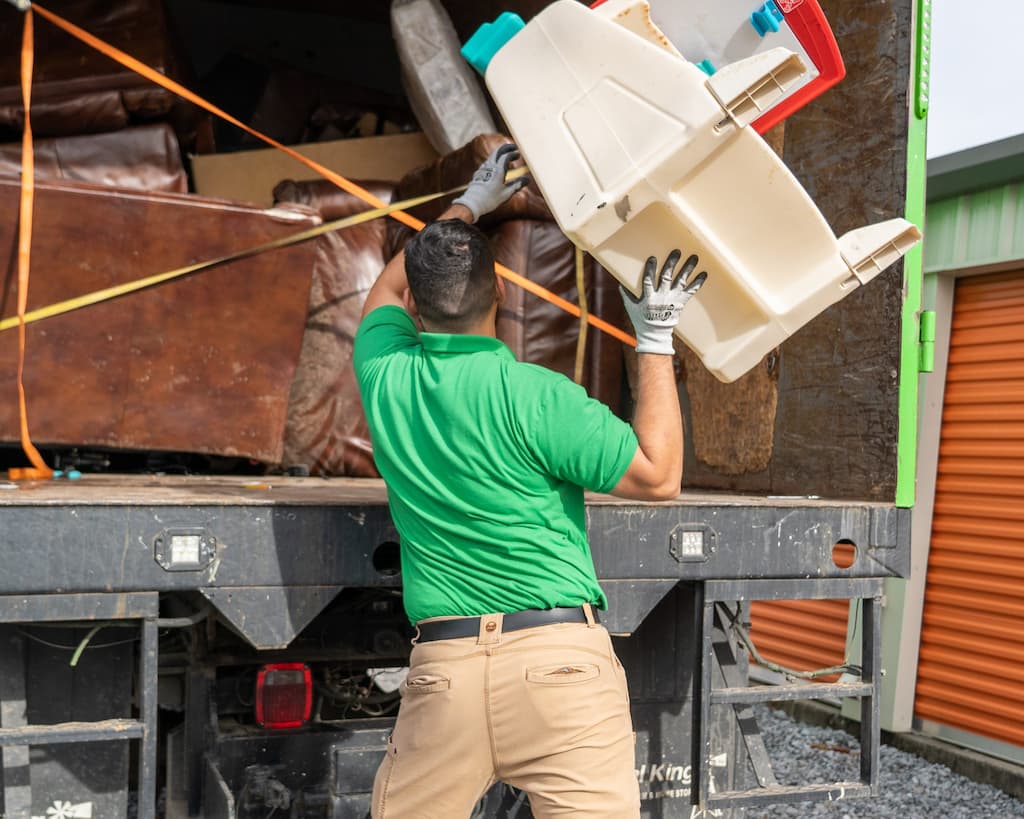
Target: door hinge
[{"x": 926, "y": 357}]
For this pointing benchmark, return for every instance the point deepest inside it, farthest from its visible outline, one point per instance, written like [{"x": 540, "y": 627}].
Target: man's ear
[
  {"x": 500, "y": 289},
  {"x": 410, "y": 303}
]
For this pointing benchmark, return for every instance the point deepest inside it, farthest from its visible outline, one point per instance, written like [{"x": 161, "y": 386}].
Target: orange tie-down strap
[
  {"x": 339, "y": 180},
  {"x": 39, "y": 469}
]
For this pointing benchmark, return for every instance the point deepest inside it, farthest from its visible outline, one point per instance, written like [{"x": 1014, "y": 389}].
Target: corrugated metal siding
[
  {"x": 801, "y": 634},
  {"x": 975, "y": 229},
  {"x": 971, "y": 666}
]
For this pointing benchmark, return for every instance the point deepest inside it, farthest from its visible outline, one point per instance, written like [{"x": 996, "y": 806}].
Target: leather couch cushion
[
  {"x": 540, "y": 332},
  {"x": 326, "y": 429},
  {"x": 143, "y": 158},
  {"x": 330, "y": 201}
]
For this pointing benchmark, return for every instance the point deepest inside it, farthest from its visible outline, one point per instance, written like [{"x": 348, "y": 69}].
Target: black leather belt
[{"x": 470, "y": 626}]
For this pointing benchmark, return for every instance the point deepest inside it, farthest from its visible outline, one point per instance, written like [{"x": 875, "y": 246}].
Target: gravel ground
[{"x": 912, "y": 788}]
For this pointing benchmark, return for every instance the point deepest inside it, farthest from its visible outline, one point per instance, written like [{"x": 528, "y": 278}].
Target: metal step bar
[
  {"x": 16, "y": 736},
  {"x": 718, "y": 651},
  {"x": 71, "y": 732}
]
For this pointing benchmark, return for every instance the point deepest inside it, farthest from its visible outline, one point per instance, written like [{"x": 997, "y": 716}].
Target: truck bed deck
[
  {"x": 232, "y": 490},
  {"x": 256, "y": 543}
]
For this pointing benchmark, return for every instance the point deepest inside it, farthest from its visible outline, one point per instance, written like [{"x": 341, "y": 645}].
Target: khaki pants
[{"x": 544, "y": 709}]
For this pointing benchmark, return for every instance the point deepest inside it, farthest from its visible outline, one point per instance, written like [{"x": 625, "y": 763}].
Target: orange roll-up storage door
[
  {"x": 804, "y": 635},
  {"x": 972, "y": 633}
]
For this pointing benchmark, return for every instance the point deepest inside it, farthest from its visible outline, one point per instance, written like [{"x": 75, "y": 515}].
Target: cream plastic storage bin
[{"x": 637, "y": 152}]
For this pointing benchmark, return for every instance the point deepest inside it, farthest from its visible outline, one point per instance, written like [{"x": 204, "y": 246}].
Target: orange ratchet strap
[
  {"x": 345, "y": 184},
  {"x": 39, "y": 469}
]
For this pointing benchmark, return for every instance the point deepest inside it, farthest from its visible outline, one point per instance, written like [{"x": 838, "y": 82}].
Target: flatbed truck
[
  {"x": 152, "y": 625},
  {"x": 220, "y": 577}
]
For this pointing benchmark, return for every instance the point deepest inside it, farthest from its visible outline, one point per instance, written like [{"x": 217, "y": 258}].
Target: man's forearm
[
  {"x": 656, "y": 471},
  {"x": 658, "y": 421},
  {"x": 657, "y": 468}
]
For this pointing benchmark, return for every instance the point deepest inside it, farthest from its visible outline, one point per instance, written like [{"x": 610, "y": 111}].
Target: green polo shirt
[{"x": 485, "y": 459}]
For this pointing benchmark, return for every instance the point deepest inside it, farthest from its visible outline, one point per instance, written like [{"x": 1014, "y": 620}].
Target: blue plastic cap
[
  {"x": 766, "y": 18},
  {"x": 707, "y": 67},
  {"x": 489, "y": 39}
]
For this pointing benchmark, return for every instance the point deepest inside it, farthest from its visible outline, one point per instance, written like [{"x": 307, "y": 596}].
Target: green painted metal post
[{"x": 906, "y": 449}]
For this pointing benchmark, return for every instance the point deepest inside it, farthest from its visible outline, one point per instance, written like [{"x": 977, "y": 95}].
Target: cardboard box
[{"x": 250, "y": 176}]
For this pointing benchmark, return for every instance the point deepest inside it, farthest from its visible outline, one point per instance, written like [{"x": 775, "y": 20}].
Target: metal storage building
[{"x": 969, "y": 519}]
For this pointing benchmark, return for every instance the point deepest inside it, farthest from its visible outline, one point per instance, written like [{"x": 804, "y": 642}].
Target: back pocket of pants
[
  {"x": 568, "y": 674},
  {"x": 425, "y": 684}
]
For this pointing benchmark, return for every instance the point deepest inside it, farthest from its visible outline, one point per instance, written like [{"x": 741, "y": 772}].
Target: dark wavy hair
[{"x": 451, "y": 275}]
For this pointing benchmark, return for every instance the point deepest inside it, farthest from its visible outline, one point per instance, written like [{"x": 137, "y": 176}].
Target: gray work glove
[
  {"x": 487, "y": 189},
  {"x": 656, "y": 313}
]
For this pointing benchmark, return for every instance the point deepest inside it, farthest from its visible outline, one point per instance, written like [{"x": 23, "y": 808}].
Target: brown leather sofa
[
  {"x": 76, "y": 89},
  {"x": 252, "y": 359},
  {"x": 199, "y": 364},
  {"x": 326, "y": 430}
]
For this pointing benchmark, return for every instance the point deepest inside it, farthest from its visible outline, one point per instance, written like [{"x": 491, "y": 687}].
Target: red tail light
[{"x": 284, "y": 695}]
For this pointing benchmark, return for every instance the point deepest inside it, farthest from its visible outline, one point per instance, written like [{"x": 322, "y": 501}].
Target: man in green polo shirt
[{"x": 511, "y": 677}]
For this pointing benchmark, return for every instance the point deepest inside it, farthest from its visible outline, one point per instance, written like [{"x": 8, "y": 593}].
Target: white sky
[{"x": 977, "y": 73}]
